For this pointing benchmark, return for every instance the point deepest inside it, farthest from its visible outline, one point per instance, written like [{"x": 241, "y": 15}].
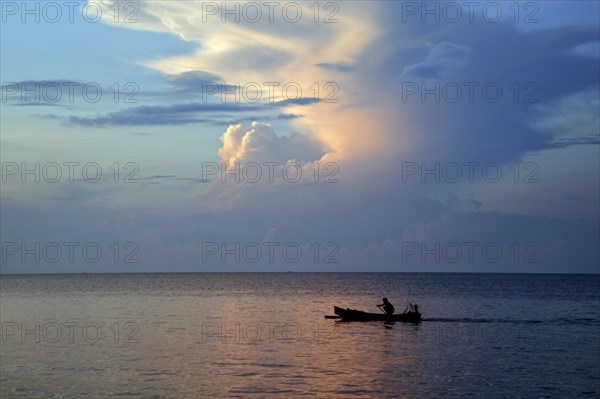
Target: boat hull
[{"x": 357, "y": 315}]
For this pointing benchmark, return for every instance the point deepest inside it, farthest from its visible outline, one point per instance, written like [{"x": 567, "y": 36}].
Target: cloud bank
[{"x": 522, "y": 94}]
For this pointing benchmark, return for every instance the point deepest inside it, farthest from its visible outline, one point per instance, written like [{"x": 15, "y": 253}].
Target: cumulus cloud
[{"x": 260, "y": 143}]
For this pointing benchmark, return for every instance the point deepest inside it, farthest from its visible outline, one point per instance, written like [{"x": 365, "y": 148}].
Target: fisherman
[{"x": 388, "y": 308}]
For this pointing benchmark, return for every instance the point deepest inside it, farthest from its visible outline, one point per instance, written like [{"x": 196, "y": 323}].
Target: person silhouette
[{"x": 387, "y": 307}]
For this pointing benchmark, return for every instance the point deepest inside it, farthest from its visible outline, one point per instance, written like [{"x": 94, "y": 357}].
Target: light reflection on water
[{"x": 257, "y": 335}]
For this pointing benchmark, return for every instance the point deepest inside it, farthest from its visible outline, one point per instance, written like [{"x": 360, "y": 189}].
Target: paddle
[{"x": 332, "y": 316}]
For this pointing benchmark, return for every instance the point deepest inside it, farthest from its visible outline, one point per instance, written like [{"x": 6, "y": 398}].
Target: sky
[{"x": 354, "y": 136}]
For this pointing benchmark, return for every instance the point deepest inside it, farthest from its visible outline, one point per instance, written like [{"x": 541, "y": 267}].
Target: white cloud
[{"x": 259, "y": 143}]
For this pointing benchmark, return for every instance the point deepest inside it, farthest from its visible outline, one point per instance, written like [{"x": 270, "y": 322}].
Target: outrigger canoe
[{"x": 357, "y": 315}]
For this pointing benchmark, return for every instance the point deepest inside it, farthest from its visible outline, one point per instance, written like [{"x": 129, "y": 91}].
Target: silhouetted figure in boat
[
  {"x": 387, "y": 307},
  {"x": 413, "y": 309}
]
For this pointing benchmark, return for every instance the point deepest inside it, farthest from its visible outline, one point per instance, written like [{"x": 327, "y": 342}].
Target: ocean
[{"x": 264, "y": 335}]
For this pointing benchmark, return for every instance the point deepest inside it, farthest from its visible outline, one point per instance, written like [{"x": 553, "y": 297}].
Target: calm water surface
[{"x": 264, "y": 335}]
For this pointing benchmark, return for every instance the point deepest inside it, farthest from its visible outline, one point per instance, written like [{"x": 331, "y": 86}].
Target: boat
[{"x": 358, "y": 315}]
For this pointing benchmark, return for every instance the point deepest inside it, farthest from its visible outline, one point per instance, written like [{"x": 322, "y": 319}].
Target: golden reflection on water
[{"x": 193, "y": 346}]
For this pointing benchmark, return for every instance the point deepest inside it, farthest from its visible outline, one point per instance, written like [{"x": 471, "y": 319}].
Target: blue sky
[{"x": 447, "y": 142}]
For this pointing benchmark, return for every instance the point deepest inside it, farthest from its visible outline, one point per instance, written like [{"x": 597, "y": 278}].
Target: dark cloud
[
  {"x": 442, "y": 58},
  {"x": 530, "y": 68},
  {"x": 550, "y": 244},
  {"x": 157, "y": 177},
  {"x": 338, "y": 67},
  {"x": 298, "y": 101},
  {"x": 37, "y": 104},
  {"x": 178, "y": 114},
  {"x": 289, "y": 116},
  {"x": 571, "y": 141},
  {"x": 198, "y": 82}
]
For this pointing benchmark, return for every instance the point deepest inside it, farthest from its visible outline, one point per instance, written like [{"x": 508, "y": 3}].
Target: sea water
[{"x": 265, "y": 335}]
